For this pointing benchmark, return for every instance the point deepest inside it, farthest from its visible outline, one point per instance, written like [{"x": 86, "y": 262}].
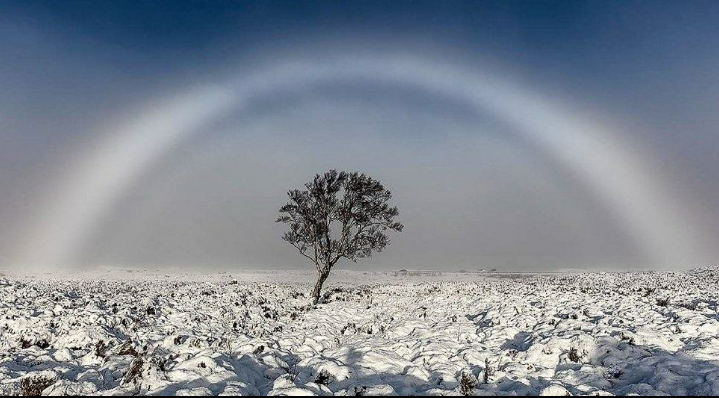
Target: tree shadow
[
  {"x": 361, "y": 374},
  {"x": 522, "y": 341}
]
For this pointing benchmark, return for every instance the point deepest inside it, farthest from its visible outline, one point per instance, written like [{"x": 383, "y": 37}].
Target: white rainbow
[{"x": 597, "y": 155}]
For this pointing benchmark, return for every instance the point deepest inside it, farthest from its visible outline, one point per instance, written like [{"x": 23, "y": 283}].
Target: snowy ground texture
[{"x": 376, "y": 333}]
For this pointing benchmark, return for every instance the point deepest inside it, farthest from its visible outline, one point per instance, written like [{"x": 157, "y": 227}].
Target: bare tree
[{"x": 338, "y": 215}]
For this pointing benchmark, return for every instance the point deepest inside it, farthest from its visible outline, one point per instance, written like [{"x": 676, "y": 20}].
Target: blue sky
[{"x": 71, "y": 69}]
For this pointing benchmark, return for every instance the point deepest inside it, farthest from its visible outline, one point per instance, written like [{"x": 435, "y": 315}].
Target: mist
[{"x": 169, "y": 137}]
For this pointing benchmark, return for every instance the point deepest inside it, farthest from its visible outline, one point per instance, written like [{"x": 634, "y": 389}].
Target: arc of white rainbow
[{"x": 596, "y": 155}]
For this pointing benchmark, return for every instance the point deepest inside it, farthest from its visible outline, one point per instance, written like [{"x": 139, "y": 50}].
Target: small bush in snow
[
  {"x": 573, "y": 355},
  {"x": 323, "y": 378},
  {"x": 467, "y": 384},
  {"x": 487, "y": 371},
  {"x": 134, "y": 371},
  {"x": 34, "y": 386},
  {"x": 663, "y": 302}
]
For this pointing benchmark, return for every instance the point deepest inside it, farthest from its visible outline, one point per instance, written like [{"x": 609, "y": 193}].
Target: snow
[{"x": 377, "y": 333}]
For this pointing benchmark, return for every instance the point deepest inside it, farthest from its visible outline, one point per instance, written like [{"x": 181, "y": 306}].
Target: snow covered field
[{"x": 377, "y": 333}]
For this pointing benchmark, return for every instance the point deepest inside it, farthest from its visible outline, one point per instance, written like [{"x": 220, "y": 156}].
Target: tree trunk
[{"x": 318, "y": 287}]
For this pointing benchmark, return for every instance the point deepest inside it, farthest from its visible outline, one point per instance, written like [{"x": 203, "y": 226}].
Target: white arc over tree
[{"x": 597, "y": 155}]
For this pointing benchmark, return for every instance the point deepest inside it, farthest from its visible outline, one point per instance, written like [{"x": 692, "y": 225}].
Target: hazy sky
[{"x": 159, "y": 133}]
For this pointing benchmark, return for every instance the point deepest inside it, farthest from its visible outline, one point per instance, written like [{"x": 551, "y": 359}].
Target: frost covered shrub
[
  {"x": 34, "y": 386},
  {"x": 101, "y": 349},
  {"x": 359, "y": 295},
  {"x": 323, "y": 378},
  {"x": 467, "y": 384},
  {"x": 573, "y": 355},
  {"x": 663, "y": 302},
  {"x": 134, "y": 371},
  {"x": 487, "y": 371},
  {"x": 128, "y": 349}
]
